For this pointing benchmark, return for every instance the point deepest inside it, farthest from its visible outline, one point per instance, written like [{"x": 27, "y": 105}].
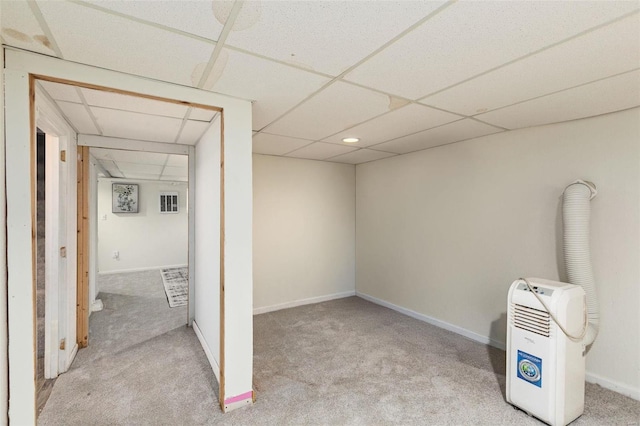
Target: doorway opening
[
  {"x": 138, "y": 286},
  {"x": 135, "y": 215}
]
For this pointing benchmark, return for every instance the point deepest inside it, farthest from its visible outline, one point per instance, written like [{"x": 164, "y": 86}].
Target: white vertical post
[
  {"x": 19, "y": 249},
  {"x": 238, "y": 267},
  {"x": 191, "y": 209},
  {"x": 52, "y": 256},
  {"x": 4, "y": 370}
]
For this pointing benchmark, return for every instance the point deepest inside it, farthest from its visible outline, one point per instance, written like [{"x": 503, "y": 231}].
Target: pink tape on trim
[{"x": 241, "y": 397}]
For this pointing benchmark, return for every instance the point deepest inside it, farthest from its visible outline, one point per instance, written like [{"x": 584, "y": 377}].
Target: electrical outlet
[{"x": 116, "y": 255}]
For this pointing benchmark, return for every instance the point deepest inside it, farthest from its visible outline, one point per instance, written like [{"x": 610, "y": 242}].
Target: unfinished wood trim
[
  {"x": 34, "y": 226},
  {"x": 82, "y": 290},
  {"x": 222, "y": 282},
  {"x": 125, "y": 92}
]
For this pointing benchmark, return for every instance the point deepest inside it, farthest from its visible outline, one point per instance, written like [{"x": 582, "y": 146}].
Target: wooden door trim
[{"x": 82, "y": 288}]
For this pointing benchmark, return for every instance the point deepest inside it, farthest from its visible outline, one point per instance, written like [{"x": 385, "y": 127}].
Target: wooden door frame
[
  {"x": 83, "y": 252},
  {"x": 21, "y": 68}
]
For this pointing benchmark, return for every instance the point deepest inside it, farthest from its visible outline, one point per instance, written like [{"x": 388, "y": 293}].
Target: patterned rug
[{"x": 176, "y": 285}]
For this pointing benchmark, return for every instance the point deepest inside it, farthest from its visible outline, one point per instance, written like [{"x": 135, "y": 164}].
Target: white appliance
[{"x": 545, "y": 366}]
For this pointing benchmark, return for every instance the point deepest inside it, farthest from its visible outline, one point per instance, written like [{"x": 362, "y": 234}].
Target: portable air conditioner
[{"x": 546, "y": 368}]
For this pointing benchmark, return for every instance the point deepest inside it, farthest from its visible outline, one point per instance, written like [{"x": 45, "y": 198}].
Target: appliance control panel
[{"x": 540, "y": 290}]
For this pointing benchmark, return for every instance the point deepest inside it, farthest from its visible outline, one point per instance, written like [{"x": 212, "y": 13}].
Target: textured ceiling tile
[
  {"x": 21, "y": 29},
  {"x": 174, "y": 178},
  {"x": 178, "y": 161},
  {"x": 276, "y": 87},
  {"x": 78, "y": 116},
  {"x": 324, "y": 36},
  {"x": 601, "y": 97},
  {"x": 111, "y": 167},
  {"x": 336, "y": 108},
  {"x": 119, "y": 101},
  {"x": 611, "y": 50},
  {"x": 361, "y": 156},
  {"x": 403, "y": 121},
  {"x": 195, "y": 17},
  {"x": 61, "y": 92},
  {"x": 192, "y": 132},
  {"x": 92, "y": 37},
  {"x": 469, "y": 38},
  {"x": 452, "y": 132},
  {"x": 321, "y": 151},
  {"x": 175, "y": 171},
  {"x": 129, "y": 168},
  {"x": 264, "y": 143},
  {"x": 133, "y": 125},
  {"x": 202, "y": 114},
  {"x": 129, "y": 156}
]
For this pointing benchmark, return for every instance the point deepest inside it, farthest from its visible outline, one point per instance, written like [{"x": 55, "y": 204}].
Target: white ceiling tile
[
  {"x": 178, "y": 161},
  {"x": 264, "y": 143},
  {"x": 175, "y": 178},
  {"x": 361, "y": 156},
  {"x": 195, "y": 17},
  {"x": 79, "y": 117},
  {"x": 403, "y": 121},
  {"x": 175, "y": 171},
  {"x": 133, "y": 125},
  {"x": 336, "y": 108},
  {"x": 452, "y": 132},
  {"x": 92, "y": 37},
  {"x": 325, "y": 36},
  {"x": 320, "y": 151},
  {"x": 601, "y": 97},
  {"x": 192, "y": 132},
  {"x": 136, "y": 168},
  {"x": 21, "y": 29},
  {"x": 202, "y": 114},
  {"x": 469, "y": 38},
  {"x": 145, "y": 176},
  {"x": 137, "y": 157},
  {"x": 611, "y": 50},
  {"x": 111, "y": 167},
  {"x": 276, "y": 87},
  {"x": 100, "y": 153},
  {"x": 119, "y": 101},
  {"x": 61, "y": 92}
]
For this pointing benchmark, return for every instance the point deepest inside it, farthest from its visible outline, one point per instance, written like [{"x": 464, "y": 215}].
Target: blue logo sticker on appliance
[{"x": 530, "y": 368}]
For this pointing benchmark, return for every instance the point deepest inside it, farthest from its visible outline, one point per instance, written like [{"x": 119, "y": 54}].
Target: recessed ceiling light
[{"x": 350, "y": 140}]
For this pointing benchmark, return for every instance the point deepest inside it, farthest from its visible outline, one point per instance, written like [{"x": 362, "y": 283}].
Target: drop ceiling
[
  {"x": 400, "y": 75},
  {"x": 113, "y": 163},
  {"x": 116, "y": 115}
]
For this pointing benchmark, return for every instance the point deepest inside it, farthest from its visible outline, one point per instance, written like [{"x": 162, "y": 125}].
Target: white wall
[
  {"x": 4, "y": 377},
  {"x": 303, "y": 231},
  {"x": 93, "y": 231},
  {"x": 147, "y": 239},
  {"x": 207, "y": 244},
  {"x": 443, "y": 232}
]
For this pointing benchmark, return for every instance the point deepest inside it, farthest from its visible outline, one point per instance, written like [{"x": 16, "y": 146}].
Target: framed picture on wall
[
  {"x": 168, "y": 202},
  {"x": 124, "y": 197}
]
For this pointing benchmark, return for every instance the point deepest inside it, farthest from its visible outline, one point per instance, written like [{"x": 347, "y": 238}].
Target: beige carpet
[{"x": 344, "y": 362}]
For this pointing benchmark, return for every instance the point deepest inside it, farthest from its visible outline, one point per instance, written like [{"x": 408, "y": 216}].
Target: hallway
[{"x": 142, "y": 366}]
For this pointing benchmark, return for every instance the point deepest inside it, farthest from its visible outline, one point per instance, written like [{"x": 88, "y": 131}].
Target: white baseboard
[
  {"x": 433, "y": 321},
  {"x": 72, "y": 356},
  {"x": 309, "y": 301},
  {"x": 621, "y": 388},
  {"x": 146, "y": 268},
  {"x": 590, "y": 377},
  {"x": 207, "y": 350}
]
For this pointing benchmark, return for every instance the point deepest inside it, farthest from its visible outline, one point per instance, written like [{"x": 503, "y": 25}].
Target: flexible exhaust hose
[{"x": 576, "y": 213}]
